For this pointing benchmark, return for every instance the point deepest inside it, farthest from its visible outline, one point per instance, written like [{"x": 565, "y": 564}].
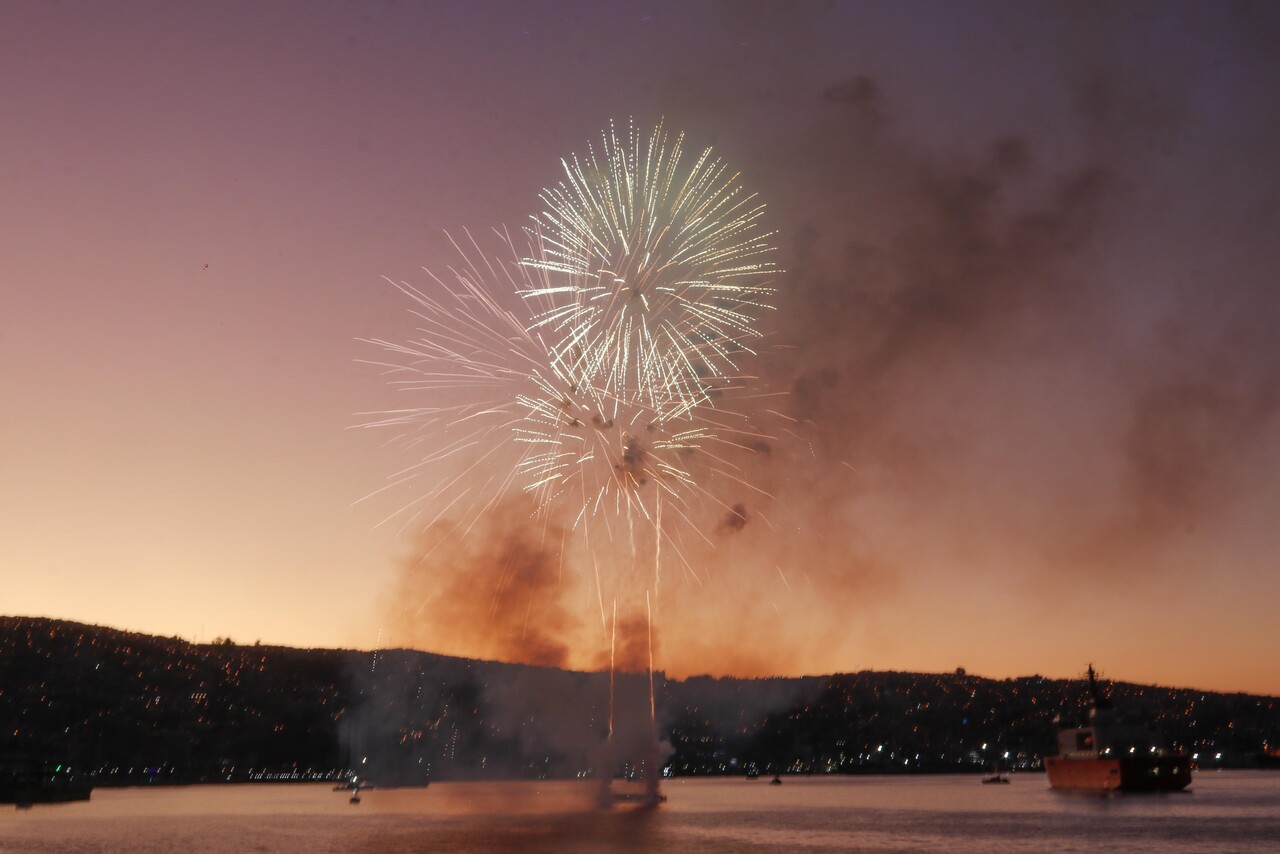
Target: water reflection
[
  {"x": 1238, "y": 811},
  {"x": 575, "y": 833}
]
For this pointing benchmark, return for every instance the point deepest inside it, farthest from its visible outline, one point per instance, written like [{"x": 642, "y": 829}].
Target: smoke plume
[{"x": 494, "y": 591}]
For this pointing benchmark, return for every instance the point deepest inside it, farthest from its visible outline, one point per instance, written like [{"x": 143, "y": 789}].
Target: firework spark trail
[
  {"x": 506, "y": 402},
  {"x": 648, "y": 284},
  {"x": 652, "y": 274},
  {"x": 607, "y": 397},
  {"x": 645, "y": 279}
]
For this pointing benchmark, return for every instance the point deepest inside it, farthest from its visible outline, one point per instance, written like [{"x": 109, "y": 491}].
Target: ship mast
[{"x": 1099, "y": 702}]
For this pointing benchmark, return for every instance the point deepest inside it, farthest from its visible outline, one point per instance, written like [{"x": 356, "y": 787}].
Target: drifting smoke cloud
[
  {"x": 992, "y": 361},
  {"x": 997, "y": 369}
]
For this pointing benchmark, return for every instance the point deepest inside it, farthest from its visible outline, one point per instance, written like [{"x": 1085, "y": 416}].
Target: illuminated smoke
[{"x": 494, "y": 592}]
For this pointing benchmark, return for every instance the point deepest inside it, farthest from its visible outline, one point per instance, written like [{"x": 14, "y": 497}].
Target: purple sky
[{"x": 1029, "y": 314}]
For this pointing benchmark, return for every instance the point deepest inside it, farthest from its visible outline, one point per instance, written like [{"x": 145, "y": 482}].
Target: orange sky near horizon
[{"x": 1027, "y": 320}]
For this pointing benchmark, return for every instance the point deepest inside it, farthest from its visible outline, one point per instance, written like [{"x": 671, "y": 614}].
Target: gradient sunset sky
[{"x": 1028, "y": 322}]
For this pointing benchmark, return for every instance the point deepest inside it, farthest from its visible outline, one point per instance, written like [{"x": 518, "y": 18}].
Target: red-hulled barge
[{"x": 1107, "y": 754}]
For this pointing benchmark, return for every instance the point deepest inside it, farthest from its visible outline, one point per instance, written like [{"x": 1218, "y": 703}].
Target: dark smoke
[
  {"x": 1013, "y": 350},
  {"x": 735, "y": 519},
  {"x": 991, "y": 344},
  {"x": 862, "y": 95}
]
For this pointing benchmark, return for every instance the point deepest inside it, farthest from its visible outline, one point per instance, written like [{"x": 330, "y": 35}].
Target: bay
[{"x": 1226, "y": 811}]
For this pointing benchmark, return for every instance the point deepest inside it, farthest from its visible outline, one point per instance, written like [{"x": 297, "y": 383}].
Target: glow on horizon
[{"x": 1028, "y": 315}]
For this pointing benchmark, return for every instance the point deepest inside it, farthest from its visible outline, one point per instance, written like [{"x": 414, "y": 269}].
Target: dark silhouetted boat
[
  {"x": 25, "y": 788},
  {"x": 1109, "y": 754}
]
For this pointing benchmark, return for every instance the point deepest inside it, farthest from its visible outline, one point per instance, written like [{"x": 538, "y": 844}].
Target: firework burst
[
  {"x": 501, "y": 415},
  {"x": 592, "y": 367},
  {"x": 651, "y": 273},
  {"x": 605, "y": 398}
]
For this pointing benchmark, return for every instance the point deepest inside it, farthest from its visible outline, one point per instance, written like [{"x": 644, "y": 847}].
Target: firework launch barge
[{"x": 1109, "y": 754}]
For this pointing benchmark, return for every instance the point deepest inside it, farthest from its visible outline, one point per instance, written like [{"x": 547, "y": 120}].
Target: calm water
[{"x": 1224, "y": 811}]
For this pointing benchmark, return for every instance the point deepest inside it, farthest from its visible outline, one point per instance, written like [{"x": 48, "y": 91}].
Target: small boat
[
  {"x": 997, "y": 776},
  {"x": 355, "y": 784},
  {"x": 776, "y": 781}
]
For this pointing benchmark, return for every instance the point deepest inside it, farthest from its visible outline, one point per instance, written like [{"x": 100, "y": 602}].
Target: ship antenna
[{"x": 1098, "y": 700}]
